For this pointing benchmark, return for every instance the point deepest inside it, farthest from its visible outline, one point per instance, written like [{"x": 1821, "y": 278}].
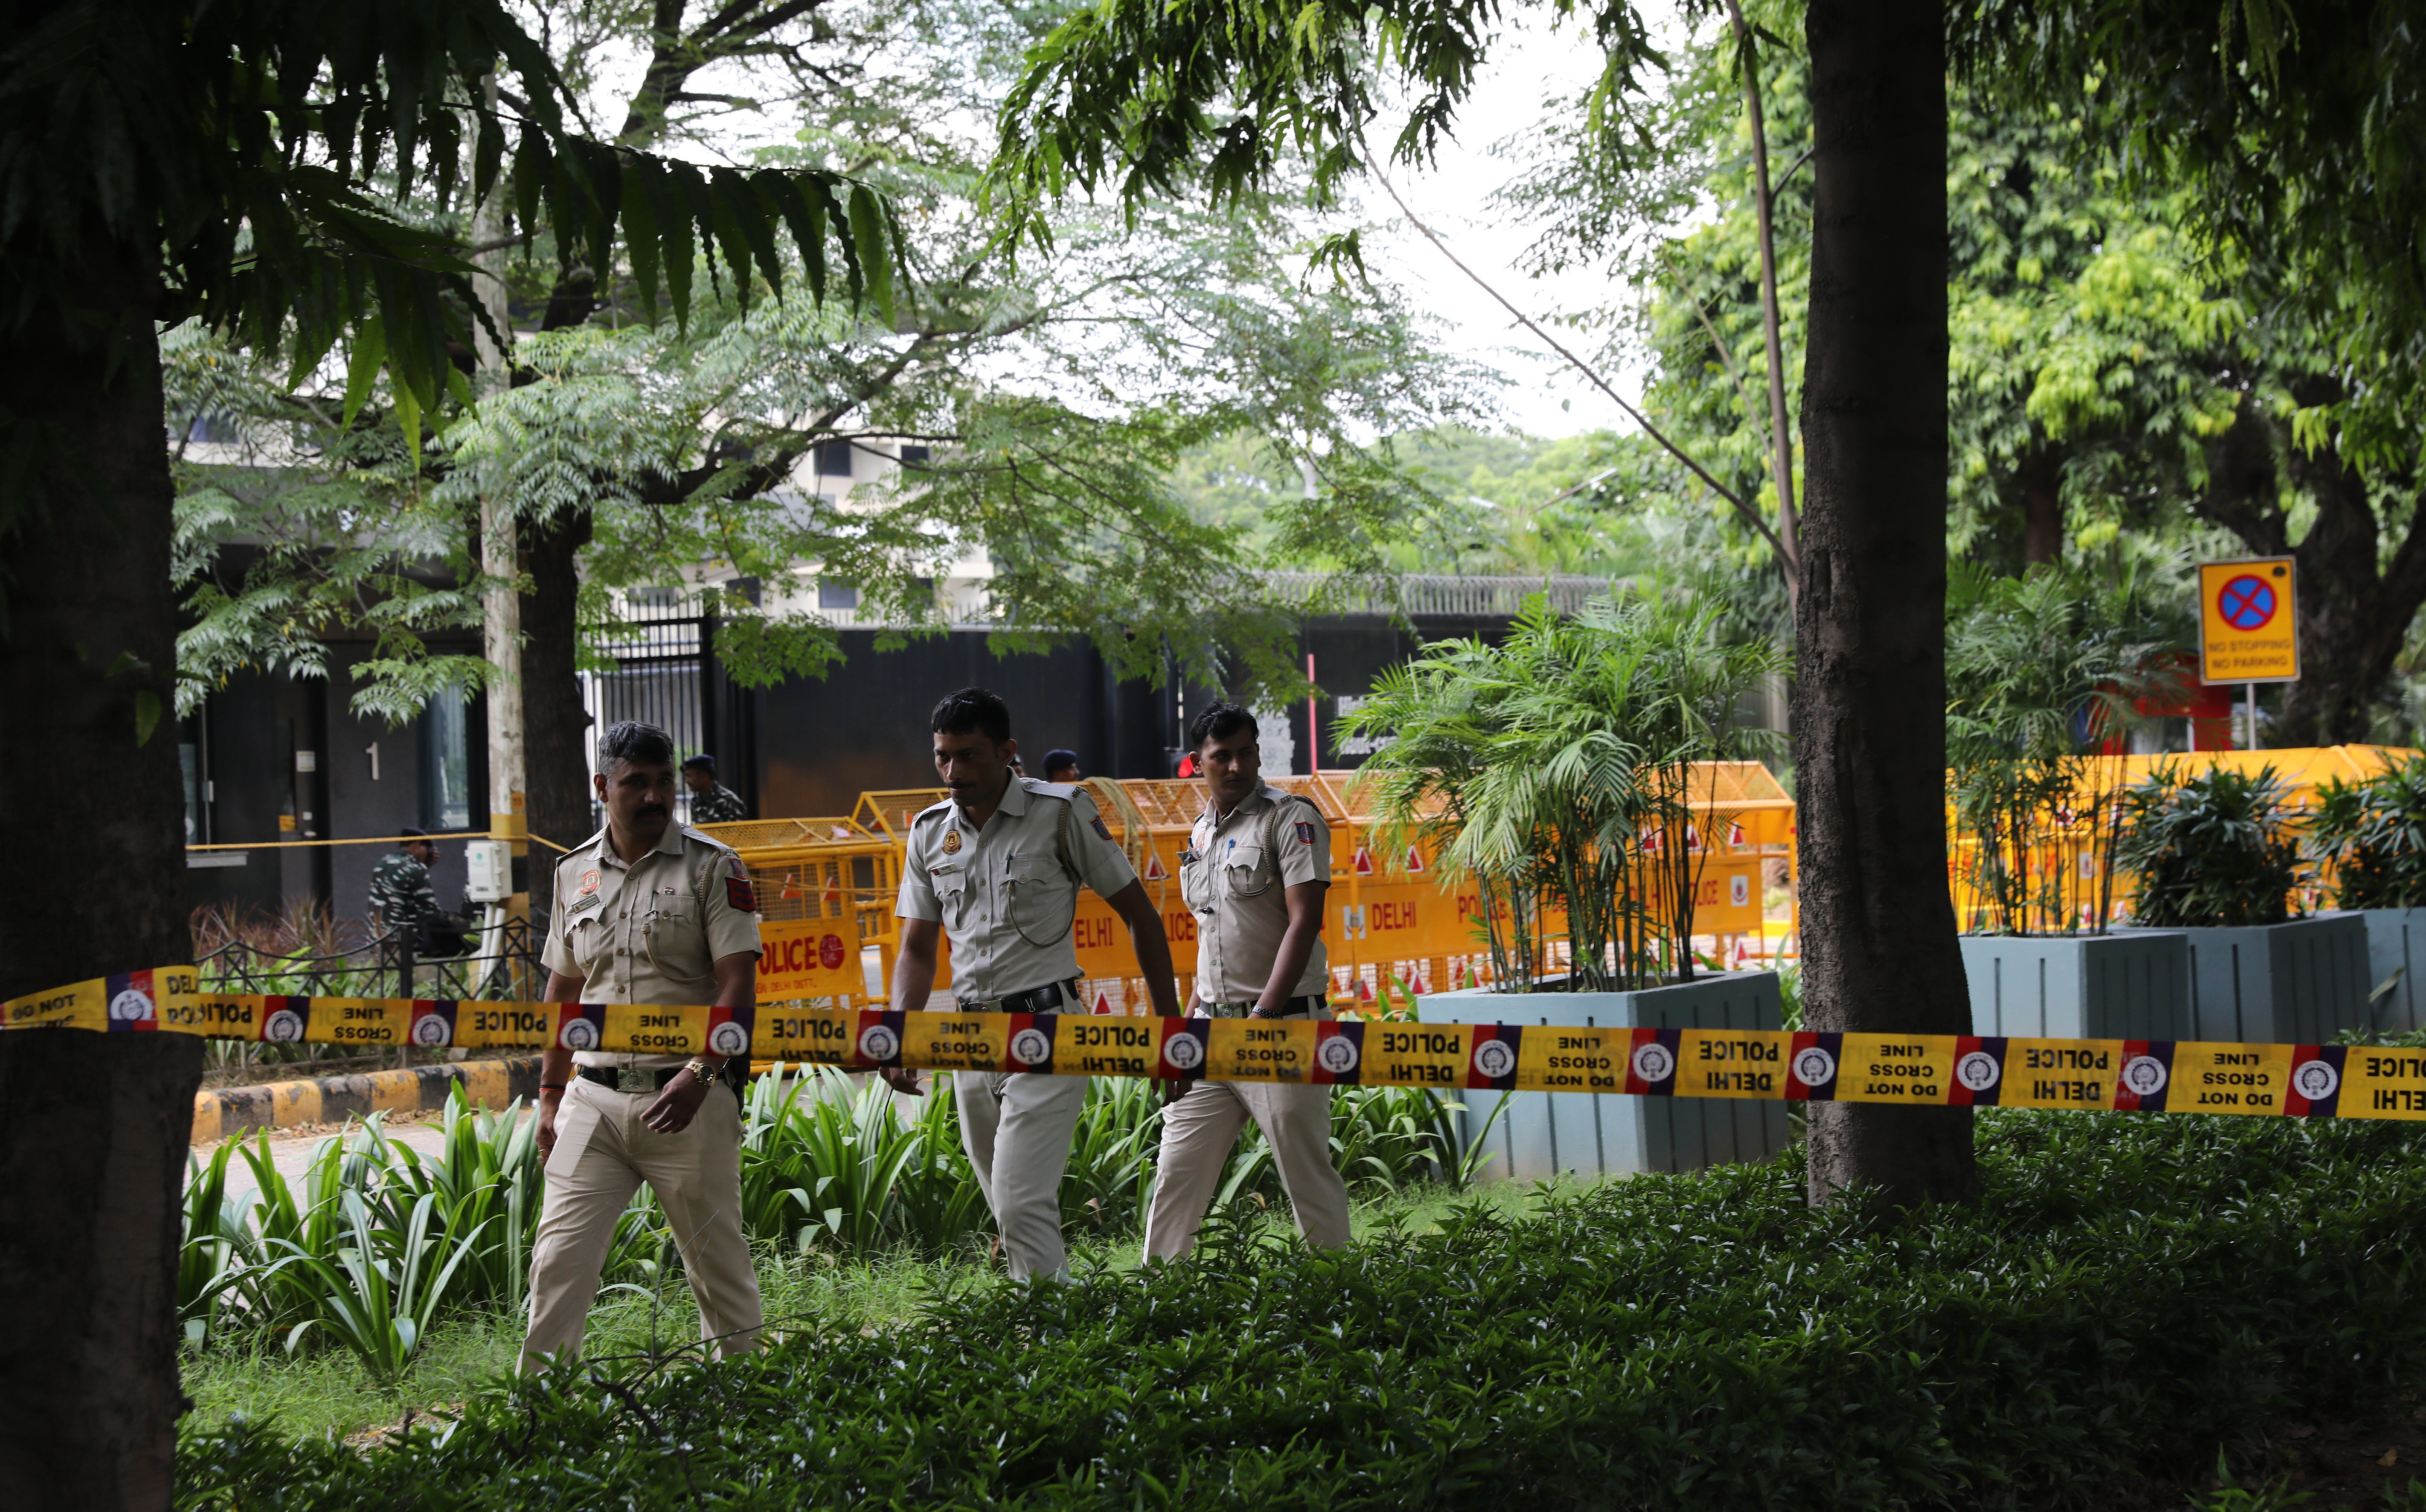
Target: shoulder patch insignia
[
  {"x": 738, "y": 891},
  {"x": 1098, "y": 822},
  {"x": 952, "y": 843},
  {"x": 1304, "y": 832},
  {"x": 589, "y": 880}
]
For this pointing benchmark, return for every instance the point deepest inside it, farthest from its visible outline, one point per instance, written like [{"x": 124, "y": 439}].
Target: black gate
[{"x": 665, "y": 673}]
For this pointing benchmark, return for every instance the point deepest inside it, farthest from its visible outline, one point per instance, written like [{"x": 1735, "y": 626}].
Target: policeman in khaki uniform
[
  {"x": 996, "y": 869},
  {"x": 1256, "y": 866},
  {"x": 646, "y": 911}
]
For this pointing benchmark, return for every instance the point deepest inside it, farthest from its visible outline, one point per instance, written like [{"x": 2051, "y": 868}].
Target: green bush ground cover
[
  {"x": 2129, "y": 1294},
  {"x": 332, "y": 1393}
]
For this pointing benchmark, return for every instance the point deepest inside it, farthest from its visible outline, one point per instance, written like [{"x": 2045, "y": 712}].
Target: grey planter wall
[
  {"x": 1543, "y": 1134},
  {"x": 2135, "y": 985},
  {"x": 2395, "y": 943},
  {"x": 2294, "y": 984}
]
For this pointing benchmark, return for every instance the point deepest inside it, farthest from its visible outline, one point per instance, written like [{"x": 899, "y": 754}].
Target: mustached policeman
[{"x": 996, "y": 869}]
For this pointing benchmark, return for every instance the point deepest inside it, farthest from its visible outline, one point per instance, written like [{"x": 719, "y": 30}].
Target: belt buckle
[{"x": 632, "y": 1079}]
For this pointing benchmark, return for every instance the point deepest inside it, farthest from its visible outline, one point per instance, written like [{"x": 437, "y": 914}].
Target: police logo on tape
[
  {"x": 2315, "y": 1081},
  {"x": 1653, "y": 1062},
  {"x": 1493, "y": 1058},
  {"x": 1336, "y": 1055},
  {"x": 132, "y": 1006},
  {"x": 2144, "y": 1076},
  {"x": 1978, "y": 1070},
  {"x": 430, "y": 1031},
  {"x": 728, "y": 1038},
  {"x": 1813, "y": 1067},
  {"x": 283, "y": 1027},
  {"x": 1031, "y": 1046},
  {"x": 578, "y": 1034},
  {"x": 878, "y": 1042},
  {"x": 1183, "y": 1052}
]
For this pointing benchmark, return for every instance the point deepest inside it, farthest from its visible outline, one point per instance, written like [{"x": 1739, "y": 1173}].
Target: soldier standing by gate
[
  {"x": 647, "y": 911},
  {"x": 996, "y": 869},
  {"x": 1255, "y": 872}
]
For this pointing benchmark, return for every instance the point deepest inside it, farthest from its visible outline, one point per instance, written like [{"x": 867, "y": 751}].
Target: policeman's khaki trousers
[
  {"x": 603, "y": 1152},
  {"x": 1016, "y": 1127},
  {"x": 1197, "y": 1133}
]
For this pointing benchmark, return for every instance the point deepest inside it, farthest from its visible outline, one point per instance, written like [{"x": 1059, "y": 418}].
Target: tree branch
[{"x": 1750, "y": 515}]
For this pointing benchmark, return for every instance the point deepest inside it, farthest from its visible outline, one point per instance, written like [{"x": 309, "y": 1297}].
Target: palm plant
[
  {"x": 2212, "y": 850},
  {"x": 2372, "y": 836},
  {"x": 2044, "y": 677},
  {"x": 1555, "y": 771}
]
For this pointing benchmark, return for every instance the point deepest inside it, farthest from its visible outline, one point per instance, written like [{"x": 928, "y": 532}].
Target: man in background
[
  {"x": 711, "y": 801},
  {"x": 402, "y": 902},
  {"x": 1061, "y": 766}
]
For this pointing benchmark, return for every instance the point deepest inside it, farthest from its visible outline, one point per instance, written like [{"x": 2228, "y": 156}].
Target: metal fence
[{"x": 665, "y": 673}]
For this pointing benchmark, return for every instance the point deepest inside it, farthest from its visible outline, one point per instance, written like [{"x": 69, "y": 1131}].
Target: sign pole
[{"x": 2250, "y": 689}]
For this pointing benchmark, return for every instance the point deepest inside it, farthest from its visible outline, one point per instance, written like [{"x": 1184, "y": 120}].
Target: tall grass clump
[{"x": 2370, "y": 838}]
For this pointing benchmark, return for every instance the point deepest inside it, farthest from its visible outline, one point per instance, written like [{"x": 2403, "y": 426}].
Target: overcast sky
[{"x": 1529, "y": 65}]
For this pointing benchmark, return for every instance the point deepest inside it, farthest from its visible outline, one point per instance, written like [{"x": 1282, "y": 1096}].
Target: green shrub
[
  {"x": 2214, "y": 849},
  {"x": 2129, "y": 1293},
  {"x": 377, "y": 1240},
  {"x": 2371, "y": 835}
]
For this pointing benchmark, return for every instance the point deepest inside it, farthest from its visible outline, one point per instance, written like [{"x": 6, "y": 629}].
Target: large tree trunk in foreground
[
  {"x": 556, "y": 731},
  {"x": 93, "y": 1128},
  {"x": 1869, "y": 677}
]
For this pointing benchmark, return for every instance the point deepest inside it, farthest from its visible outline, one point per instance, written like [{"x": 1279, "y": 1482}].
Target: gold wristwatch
[{"x": 704, "y": 1072}]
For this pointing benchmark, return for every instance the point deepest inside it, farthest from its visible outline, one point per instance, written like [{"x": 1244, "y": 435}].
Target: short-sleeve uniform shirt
[
  {"x": 653, "y": 931},
  {"x": 1003, "y": 893},
  {"x": 1235, "y": 878}
]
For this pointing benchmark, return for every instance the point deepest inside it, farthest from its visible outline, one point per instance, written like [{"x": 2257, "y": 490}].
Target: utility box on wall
[{"x": 489, "y": 872}]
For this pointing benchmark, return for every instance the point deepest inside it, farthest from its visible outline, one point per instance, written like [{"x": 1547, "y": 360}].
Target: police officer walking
[
  {"x": 1257, "y": 864},
  {"x": 996, "y": 869},
  {"x": 647, "y": 911},
  {"x": 711, "y": 801}
]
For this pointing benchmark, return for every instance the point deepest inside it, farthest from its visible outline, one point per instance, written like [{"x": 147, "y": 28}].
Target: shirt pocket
[
  {"x": 1038, "y": 898},
  {"x": 951, "y": 889},
  {"x": 1194, "y": 885},
  {"x": 672, "y": 938},
  {"x": 587, "y": 938},
  {"x": 1247, "y": 870}
]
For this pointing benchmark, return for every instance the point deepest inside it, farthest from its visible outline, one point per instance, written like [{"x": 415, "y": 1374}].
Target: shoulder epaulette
[
  {"x": 709, "y": 840},
  {"x": 930, "y": 811}
]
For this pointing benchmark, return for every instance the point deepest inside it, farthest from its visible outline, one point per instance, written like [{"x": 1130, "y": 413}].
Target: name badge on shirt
[{"x": 588, "y": 900}]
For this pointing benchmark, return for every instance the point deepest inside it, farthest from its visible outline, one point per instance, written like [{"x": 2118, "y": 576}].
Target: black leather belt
[
  {"x": 1042, "y": 999},
  {"x": 611, "y": 1077},
  {"x": 1294, "y": 1008}
]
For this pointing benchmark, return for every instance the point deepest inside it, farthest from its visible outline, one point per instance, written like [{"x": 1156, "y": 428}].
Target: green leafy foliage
[
  {"x": 2129, "y": 1293},
  {"x": 1555, "y": 769},
  {"x": 382, "y": 1240},
  {"x": 2215, "y": 848},
  {"x": 2370, "y": 837},
  {"x": 2044, "y": 675}
]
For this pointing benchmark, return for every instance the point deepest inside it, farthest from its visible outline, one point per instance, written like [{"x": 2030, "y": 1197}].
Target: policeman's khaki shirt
[
  {"x": 1001, "y": 893},
  {"x": 1235, "y": 878},
  {"x": 650, "y": 932}
]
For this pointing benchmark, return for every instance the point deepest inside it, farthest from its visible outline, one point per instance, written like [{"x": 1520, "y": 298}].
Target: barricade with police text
[{"x": 2119, "y": 1076}]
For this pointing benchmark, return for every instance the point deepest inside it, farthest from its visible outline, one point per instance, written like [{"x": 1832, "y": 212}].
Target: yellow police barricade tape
[{"x": 1939, "y": 1070}]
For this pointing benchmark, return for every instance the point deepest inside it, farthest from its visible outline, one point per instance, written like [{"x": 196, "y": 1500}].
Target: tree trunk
[
  {"x": 1869, "y": 689},
  {"x": 2043, "y": 505},
  {"x": 93, "y": 1128},
  {"x": 555, "y": 728}
]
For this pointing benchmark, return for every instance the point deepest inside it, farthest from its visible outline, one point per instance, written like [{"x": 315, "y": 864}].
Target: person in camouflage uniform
[
  {"x": 711, "y": 801},
  {"x": 402, "y": 898}
]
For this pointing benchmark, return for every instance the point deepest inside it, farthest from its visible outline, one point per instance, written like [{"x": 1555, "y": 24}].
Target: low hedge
[{"x": 2129, "y": 1293}]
